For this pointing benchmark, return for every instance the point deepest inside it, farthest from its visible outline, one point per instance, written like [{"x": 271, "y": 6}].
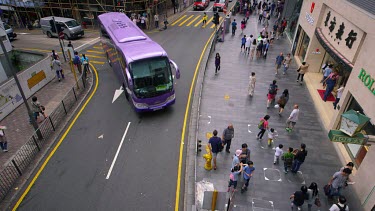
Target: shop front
[{"x": 337, "y": 33}]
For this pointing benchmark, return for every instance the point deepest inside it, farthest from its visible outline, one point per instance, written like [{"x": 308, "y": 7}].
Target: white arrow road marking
[
  {"x": 248, "y": 128},
  {"x": 101, "y": 136},
  {"x": 209, "y": 121},
  {"x": 117, "y": 94},
  {"x": 118, "y": 151}
]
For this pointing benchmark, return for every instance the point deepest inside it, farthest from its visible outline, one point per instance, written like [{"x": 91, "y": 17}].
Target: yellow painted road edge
[
  {"x": 58, "y": 143},
  {"x": 184, "y": 125}
]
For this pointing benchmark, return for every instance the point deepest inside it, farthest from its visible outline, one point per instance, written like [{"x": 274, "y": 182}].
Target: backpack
[
  {"x": 261, "y": 124},
  {"x": 220, "y": 146},
  {"x": 272, "y": 89},
  {"x": 76, "y": 60},
  {"x": 341, "y": 208}
]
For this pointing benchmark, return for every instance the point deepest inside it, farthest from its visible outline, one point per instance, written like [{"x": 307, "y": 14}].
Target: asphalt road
[{"x": 145, "y": 174}]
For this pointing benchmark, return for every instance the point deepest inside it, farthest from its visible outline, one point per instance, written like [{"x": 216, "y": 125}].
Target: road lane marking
[
  {"x": 177, "y": 200},
  {"x": 118, "y": 151},
  {"x": 97, "y": 62},
  {"x": 209, "y": 9},
  {"x": 98, "y": 47},
  {"x": 191, "y": 22},
  {"x": 178, "y": 20},
  {"x": 183, "y": 22},
  {"x": 199, "y": 22},
  {"x": 98, "y": 52},
  {"x": 89, "y": 42},
  {"x": 94, "y": 56},
  {"x": 59, "y": 142}
]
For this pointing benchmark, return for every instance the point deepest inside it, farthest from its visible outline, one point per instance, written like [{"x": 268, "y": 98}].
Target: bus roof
[{"x": 133, "y": 42}]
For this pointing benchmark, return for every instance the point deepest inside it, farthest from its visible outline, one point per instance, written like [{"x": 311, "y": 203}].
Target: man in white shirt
[
  {"x": 340, "y": 206},
  {"x": 338, "y": 96},
  {"x": 156, "y": 19},
  {"x": 293, "y": 118}
]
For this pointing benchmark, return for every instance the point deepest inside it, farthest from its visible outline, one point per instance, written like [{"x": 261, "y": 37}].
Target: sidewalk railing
[{"x": 18, "y": 164}]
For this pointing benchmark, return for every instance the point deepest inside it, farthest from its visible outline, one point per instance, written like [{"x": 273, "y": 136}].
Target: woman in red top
[{"x": 263, "y": 126}]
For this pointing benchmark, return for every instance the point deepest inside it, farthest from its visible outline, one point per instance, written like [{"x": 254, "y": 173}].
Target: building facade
[
  {"x": 342, "y": 33},
  {"x": 21, "y": 12}
]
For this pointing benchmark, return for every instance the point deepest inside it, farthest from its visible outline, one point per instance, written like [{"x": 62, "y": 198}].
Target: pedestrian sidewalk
[
  {"x": 225, "y": 100},
  {"x": 19, "y": 130}
]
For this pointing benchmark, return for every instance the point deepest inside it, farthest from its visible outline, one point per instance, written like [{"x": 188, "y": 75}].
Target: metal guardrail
[{"x": 18, "y": 164}]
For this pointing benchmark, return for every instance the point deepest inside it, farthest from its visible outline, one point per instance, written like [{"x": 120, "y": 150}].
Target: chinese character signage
[{"x": 344, "y": 36}]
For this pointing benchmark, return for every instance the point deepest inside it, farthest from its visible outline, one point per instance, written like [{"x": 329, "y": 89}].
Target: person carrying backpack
[
  {"x": 298, "y": 198},
  {"x": 340, "y": 206},
  {"x": 272, "y": 92},
  {"x": 263, "y": 126},
  {"x": 77, "y": 62}
]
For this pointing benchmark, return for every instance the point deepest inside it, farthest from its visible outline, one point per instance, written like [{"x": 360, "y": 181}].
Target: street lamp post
[{"x": 32, "y": 119}]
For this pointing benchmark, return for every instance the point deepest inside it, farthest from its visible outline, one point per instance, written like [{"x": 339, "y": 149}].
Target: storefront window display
[
  {"x": 358, "y": 152},
  {"x": 292, "y": 17},
  {"x": 305, "y": 40}
]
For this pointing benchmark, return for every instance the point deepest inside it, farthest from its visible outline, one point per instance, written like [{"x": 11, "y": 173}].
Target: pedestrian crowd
[{"x": 293, "y": 159}]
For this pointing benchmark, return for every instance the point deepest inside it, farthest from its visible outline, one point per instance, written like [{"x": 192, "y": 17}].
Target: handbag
[
  {"x": 327, "y": 189},
  {"x": 317, "y": 202}
]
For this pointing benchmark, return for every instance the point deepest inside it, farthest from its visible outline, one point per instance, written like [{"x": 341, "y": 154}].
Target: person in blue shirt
[
  {"x": 279, "y": 60},
  {"x": 247, "y": 174},
  {"x": 326, "y": 72},
  {"x": 243, "y": 42},
  {"x": 85, "y": 62},
  {"x": 234, "y": 27}
]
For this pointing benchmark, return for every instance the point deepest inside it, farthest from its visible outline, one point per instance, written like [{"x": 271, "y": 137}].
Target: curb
[{"x": 19, "y": 186}]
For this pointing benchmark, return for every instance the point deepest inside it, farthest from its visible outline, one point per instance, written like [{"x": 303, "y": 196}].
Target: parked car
[
  {"x": 9, "y": 30},
  {"x": 201, "y": 4},
  {"x": 219, "y": 6},
  {"x": 68, "y": 26}
]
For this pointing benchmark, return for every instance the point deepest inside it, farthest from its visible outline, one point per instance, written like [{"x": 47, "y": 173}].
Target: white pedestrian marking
[
  {"x": 101, "y": 136},
  {"x": 248, "y": 128},
  {"x": 23, "y": 33},
  {"x": 118, "y": 151},
  {"x": 89, "y": 42},
  {"x": 209, "y": 121},
  {"x": 266, "y": 178},
  {"x": 209, "y": 9},
  {"x": 117, "y": 94}
]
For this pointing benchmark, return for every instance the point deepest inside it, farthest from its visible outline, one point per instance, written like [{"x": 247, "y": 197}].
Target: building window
[
  {"x": 304, "y": 45},
  {"x": 295, "y": 44}
]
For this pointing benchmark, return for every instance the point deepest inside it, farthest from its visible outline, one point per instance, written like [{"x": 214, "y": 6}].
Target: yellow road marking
[
  {"x": 213, "y": 25},
  {"x": 58, "y": 143},
  {"x": 97, "y": 62},
  {"x": 93, "y": 56},
  {"x": 178, "y": 20},
  {"x": 36, "y": 49},
  {"x": 91, "y": 51},
  {"x": 183, "y": 22},
  {"x": 191, "y": 22},
  {"x": 199, "y": 22},
  {"x": 176, "y": 208},
  {"x": 98, "y": 47}
]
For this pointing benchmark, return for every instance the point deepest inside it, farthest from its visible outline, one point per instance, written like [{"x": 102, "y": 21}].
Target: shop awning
[{"x": 346, "y": 64}]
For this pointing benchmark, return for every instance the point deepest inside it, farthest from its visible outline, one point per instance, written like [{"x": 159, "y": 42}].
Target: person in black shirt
[
  {"x": 298, "y": 198},
  {"x": 299, "y": 158},
  {"x": 215, "y": 144}
]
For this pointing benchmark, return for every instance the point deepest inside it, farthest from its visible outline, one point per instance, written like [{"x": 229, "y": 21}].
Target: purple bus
[{"x": 141, "y": 65}]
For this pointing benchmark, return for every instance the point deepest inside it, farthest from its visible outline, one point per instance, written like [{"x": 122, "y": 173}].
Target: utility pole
[
  {"x": 31, "y": 115},
  {"x": 58, "y": 35}
]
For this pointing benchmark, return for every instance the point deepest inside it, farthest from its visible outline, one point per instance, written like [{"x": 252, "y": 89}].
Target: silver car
[{"x": 69, "y": 27}]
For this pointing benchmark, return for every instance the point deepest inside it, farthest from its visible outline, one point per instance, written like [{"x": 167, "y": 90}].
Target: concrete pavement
[
  {"x": 225, "y": 100},
  {"x": 19, "y": 129}
]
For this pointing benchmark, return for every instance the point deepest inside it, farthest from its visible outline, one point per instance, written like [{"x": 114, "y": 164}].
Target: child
[
  {"x": 247, "y": 174},
  {"x": 233, "y": 177},
  {"x": 272, "y": 133},
  {"x": 278, "y": 153},
  {"x": 288, "y": 159}
]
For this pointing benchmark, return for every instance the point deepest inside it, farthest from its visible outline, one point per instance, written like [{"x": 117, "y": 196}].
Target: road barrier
[{"x": 18, "y": 164}]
